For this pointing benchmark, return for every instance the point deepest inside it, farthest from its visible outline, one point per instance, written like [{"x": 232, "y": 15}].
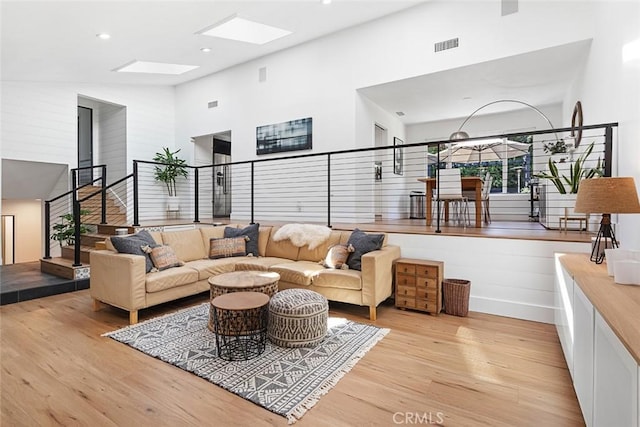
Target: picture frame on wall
[
  {"x": 287, "y": 136},
  {"x": 398, "y": 156}
]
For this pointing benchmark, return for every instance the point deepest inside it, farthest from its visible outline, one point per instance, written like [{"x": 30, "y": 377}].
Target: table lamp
[{"x": 606, "y": 196}]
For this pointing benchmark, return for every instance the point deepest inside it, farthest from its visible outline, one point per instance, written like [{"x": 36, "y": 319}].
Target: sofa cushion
[
  {"x": 320, "y": 251},
  {"x": 162, "y": 257},
  {"x": 264, "y": 234},
  {"x": 212, "y": 267},
  {"x": 259, "y": 264},
  {"x": 251, "y": 231},
  {"x": 341, "y": 279},
  {"x": 362, "y": 243},
  {"x": 187, "y": 244},
  {"x": 282, "y": 249},
  {"x": 300, "y": 272},
  {"x": 133, "y": 244},
  {"x": 170, "y": 278},
  {"x": 227, "y": 247}
]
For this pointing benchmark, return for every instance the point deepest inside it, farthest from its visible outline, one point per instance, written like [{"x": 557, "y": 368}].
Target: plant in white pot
[
  {"x": 172, "y": 168},
  {"x": 566, "y": 185}
]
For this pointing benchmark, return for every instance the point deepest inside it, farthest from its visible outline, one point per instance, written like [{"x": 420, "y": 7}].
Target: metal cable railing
[{"x": 364, "y": 185}]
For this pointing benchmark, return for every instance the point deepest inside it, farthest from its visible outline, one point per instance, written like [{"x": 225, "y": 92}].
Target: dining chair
[
  {"x": 486, "y": 192},
  {"x": 450, "y": 184}
]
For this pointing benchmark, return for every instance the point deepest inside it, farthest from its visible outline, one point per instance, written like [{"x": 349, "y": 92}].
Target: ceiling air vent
[
  {"x": 399, "y": 113},
  {"x": 447, "y": 44},
  {"x": 212, "y": 104}
]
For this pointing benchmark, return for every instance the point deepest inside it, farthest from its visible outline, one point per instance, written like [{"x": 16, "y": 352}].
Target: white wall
[
  {"x": 509, "y": 277},
  {"x": 610, "y": 92},
  {"x": 28, "y": 228},
  {"x": 319, "y": 79},
  {"x": 38, "y": 123},
  {"x": 39, "y": 119}
]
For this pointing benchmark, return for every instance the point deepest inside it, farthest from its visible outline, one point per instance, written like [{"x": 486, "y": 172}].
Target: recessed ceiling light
[
  {"x": 205, "y": 49},
  {"x": 240, "y": 29},
  {"x": 326, "y": 1},
  {"x": 155, "y": 68},
  {"x": 103, "y": 36}
]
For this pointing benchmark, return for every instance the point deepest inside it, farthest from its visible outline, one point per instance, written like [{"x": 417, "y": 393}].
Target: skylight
[
  {"x": 244, "y": 30},
  {"x": 155, "y": 68}
]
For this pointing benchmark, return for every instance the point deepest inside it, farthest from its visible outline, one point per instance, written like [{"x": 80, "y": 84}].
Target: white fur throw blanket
[{"x": 303, "y": 234}]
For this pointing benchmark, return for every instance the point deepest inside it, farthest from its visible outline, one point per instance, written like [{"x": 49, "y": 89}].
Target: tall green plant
[
  {"x": 577, "y": 172},
  {"x": 172, "y": 168},
  {"x": 65, "y": 230}
]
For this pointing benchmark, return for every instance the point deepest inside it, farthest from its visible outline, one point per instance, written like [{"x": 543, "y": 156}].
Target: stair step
[
  {"x": 110, "y": 229},
  {"x": 90, "y": 239},
  {"x": 62, "y": 267},
  {"x": 68, "y": 253}
]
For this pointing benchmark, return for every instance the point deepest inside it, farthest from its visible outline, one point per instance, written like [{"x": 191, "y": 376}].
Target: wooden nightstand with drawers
[{"x": 419, "y": 284}]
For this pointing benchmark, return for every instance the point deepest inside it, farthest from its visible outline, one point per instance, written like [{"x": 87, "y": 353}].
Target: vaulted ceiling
[{"x": 56, "y": 40}]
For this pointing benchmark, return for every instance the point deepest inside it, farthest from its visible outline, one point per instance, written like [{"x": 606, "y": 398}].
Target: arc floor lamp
[{"x": 461, "y": 135}]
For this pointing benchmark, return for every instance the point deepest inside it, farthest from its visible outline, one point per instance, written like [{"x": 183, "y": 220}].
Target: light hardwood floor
[{"x": 57, "y": 369}]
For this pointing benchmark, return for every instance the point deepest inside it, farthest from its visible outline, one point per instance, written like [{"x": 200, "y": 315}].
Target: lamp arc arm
[{"x": 510, "y": 100}]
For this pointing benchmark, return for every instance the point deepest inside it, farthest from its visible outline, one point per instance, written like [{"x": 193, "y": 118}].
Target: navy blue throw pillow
[
  {"x": 251, "y": 231},
  {"x": 362, "y": 243}
]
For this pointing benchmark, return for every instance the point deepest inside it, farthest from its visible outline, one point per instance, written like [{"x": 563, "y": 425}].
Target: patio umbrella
[{"x": 483, "y": 150}]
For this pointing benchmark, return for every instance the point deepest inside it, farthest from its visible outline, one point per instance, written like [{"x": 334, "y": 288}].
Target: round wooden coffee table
[
  {"x": 240, "y": 324},
  {"x": 242, "y": 281}
]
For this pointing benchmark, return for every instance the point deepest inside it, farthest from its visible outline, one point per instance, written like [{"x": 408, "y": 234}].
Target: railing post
[
  {"x": 437, "y": 193},
  {"x": 76, "y": 238},
  {"x": 329, "y": 190},
  {"x": 103, "y": 204},
  {"x": 608, "y": 150},
  {"x": 252, "y": 200},
  {"x": 196, "y": 199},
  {"x": 47, "y": 230},
  {"x": 136, "y": 219}
]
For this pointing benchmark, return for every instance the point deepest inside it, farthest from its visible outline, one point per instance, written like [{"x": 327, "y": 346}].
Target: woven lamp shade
[{"x": 607, "y": 195}]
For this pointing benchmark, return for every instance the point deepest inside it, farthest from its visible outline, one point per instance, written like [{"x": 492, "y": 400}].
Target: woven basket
[{"x": 456, "y": 296}]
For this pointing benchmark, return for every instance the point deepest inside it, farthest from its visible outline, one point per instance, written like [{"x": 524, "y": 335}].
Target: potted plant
[
  {"x": 172, "y": 167},
  {"x": 64, "y": 231},
  {"x": 577, "y": 172},
  {"x": 561, "y": 206}
]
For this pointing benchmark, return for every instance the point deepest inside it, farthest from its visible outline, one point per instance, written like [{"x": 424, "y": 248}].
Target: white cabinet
[
  {"x": 615, "y": 399},
  {"x": 583, "y": 318},
  {"x": 563, "y": 296},
  {"x": 606, "y": 376}
]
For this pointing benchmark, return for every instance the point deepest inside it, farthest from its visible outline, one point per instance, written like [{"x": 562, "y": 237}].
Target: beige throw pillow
[
  {"x": 163, "y": 257},
  {"x": 227, "y": 247}
]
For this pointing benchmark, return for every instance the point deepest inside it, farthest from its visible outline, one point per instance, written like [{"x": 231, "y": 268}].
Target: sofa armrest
[
  {"x": 118, "y": 279},
  {"x": 377, "y": 274}
]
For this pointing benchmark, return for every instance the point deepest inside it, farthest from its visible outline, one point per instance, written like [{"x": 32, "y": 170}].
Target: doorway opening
[
  {"x": 85, "y": 144},
  {"x": 380, "y": 140},
  {"x": 216, "y": 149}
]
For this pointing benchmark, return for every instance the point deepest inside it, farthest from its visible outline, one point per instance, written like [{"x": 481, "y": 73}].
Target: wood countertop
[{"x": 619, "y": 305}]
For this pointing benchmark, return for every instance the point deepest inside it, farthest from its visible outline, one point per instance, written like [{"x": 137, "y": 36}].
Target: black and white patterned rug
[{"x": 286, "y": 381}]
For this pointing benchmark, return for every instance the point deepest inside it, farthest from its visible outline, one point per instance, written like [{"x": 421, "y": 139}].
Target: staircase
[{"x": 63, "y": 266}]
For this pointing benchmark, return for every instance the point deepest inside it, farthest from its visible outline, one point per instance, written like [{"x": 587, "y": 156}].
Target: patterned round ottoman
[{"x": 297, "y": 318}]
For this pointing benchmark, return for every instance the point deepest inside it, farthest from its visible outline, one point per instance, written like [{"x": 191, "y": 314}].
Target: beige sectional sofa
[{"x": 120, "y": 280}]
